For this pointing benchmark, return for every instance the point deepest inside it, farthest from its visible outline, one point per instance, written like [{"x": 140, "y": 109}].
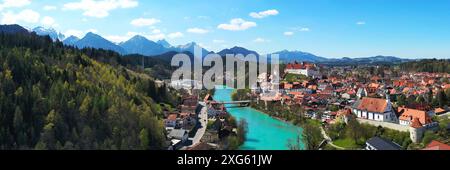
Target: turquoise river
[{"x": 264, "y": 132}]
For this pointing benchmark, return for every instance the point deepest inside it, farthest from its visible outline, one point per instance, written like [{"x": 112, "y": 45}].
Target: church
[{"x": 375, "y": 109}]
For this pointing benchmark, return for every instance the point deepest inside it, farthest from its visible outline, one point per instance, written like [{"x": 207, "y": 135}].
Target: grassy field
[
  {"x": 314, "y": 122},
  {"x": 347, "y": 143}
]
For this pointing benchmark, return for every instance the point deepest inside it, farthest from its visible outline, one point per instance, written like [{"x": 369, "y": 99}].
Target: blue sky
[{"x": 329, "y": 28}]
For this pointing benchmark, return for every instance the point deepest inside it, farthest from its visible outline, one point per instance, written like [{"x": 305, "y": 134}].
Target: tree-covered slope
[
  {"x": 56, "y": 97},
  {"x": 427, "y": 65}
]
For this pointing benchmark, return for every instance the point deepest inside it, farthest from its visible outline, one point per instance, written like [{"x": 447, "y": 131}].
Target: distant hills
[
  {"x": 71, "y": 40},
  {"x": 96, "y": 41},
  {"x": 164, "y": 43},
  {"x": 366, "y": 60},
  {"x": 190, "y": 47},
  {"x": 291, "y": 56},
  {"x": 143, "y": 46},
  {"x": 12, "y": 29},
  {"x": 237, "y": 50}
]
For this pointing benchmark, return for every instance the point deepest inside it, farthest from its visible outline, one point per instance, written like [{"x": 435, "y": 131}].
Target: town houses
[
  {"x": 394, "y": 100},
  {"x": 307, "y": 69},
  {"x": 181, "y": 121},
  {"x": 408, "y": 103},
  {"x": 407, "y": 116}
]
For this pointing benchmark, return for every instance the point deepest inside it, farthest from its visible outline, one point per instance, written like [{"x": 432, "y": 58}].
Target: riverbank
[{"x": 264, "y": 131}]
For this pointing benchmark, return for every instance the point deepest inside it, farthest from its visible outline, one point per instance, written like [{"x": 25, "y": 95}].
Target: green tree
[
  {"x": 354, "y": 130},
  {"x": 144, "y": 140},
  {"x": 441, "y": 98},
  {"x": 233, "y": 143},
  {"x": 420, "y": 99},
  {"x": 428, "y": 137},
  {"x": 18, "y": 120},
  {"x": 242, "y": 130},
  {"x": 401, "y": 100},
  {"x": 312, "y": 136}
]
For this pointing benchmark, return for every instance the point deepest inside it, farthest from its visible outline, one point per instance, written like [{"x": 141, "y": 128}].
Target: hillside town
[
  {"x": 406, "y": 103},
  {"x": 401, "y": 101}
]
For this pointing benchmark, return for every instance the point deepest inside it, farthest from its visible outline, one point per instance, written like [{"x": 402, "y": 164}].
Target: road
[
  {"x": 203, "y": 120},
  {"x": 324, "y": 134}
]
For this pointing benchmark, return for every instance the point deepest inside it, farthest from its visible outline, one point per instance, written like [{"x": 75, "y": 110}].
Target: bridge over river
[{"x": 244, "y": 103}]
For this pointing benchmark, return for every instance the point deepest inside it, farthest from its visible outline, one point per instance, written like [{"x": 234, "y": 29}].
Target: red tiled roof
[
  {"x": 172, "y": 117},
  {"x": 436, "y": 145},
  {"x": 416, "y": 123},
  {"x": 439, "y": 110},
  {"x": 373, "y": 105},
  {"x": 300, "y": 66},
  {"x": 409, "y": 114},
  {"x": 447, "y": 86}
]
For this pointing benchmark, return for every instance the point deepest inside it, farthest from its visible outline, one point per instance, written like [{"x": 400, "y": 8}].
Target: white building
[
  {"x": 375, "y": 109},
  {"x": 306, "y": 69}
]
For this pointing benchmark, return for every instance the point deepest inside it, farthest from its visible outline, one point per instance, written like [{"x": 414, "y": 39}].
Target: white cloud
[
  {"x": 237, "y": 24},
  {"x": 76, "y": 33},
  {"x": 99, "y": 8},
  {"x": 301, "y": 29},
  {"x": 118, "y": 38},
  {"x": 49, "y": 8},
  {"x": 175, "y": 35},
  {"x": 92, "y": 30},
  {"x": 264, "y": 14},
  {"x": 155, "y": 37},
  {"x": 197, "y": 31},
  {"x": 360, "y": 23},
  {"x": 304, "y": 29},
  {"x": 27, "y": 16},
  {"x": 203, "y": 17},
  {"x": 204, "y": 46},
  {"x": 49, "y": 21},
  {"x": 218, "y": 41},
  {"x": 156, "y": 31},
  {"x": 141, "y": 22},
  {"x": 14, "y": 3},
  {"x": 260, "y": 40},
  {"x": 288, "y": 33},
  {"x": 129, "y": 35}
]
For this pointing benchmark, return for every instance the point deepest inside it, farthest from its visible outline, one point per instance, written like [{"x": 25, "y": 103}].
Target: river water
[{"x": 264, "y": 132}]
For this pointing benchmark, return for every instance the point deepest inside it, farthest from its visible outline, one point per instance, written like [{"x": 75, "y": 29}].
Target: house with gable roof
[{"x": 375, "y": 109}]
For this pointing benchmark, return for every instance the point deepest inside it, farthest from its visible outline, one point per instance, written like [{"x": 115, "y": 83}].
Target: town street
[{"x": 203, "y": 120}]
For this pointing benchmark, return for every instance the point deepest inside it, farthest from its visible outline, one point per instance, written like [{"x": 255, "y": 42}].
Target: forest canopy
[{"x": 58, "y": 97}]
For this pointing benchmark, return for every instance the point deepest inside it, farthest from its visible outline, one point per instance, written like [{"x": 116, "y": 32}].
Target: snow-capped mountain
[{"x": 54, "y": 35}]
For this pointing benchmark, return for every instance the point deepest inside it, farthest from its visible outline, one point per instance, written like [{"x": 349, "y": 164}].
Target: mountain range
[
  {"x": 143, "y": 46},
  {"x": 92, "y": 40},
  {"x": 237, "y": 50},
  {"x": 52, "y": 33}
]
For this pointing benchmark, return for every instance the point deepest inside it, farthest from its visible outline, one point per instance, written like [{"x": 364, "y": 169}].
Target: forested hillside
[
  {"x": 427, "y": 65},
  {"x": 57, "y": 97}
]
